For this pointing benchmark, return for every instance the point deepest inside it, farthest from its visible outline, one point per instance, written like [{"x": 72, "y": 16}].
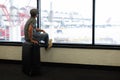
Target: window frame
[{"x": 66, "y": 45}]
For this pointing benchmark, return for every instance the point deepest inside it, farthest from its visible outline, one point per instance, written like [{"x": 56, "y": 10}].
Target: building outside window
[{"x": 67, "y": 21}]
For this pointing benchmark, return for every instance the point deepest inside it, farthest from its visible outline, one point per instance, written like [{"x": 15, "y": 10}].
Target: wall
[{"x": 67, "y": 55}]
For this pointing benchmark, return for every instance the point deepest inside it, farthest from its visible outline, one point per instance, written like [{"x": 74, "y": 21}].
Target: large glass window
[
  {"x": 13, "y": 15},
  {"x": 67, "y": 21},
  {"x": 107, "y": 22}
]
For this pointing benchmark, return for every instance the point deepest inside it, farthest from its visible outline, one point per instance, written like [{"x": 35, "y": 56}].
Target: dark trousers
[{"x": 41, "y": 37}]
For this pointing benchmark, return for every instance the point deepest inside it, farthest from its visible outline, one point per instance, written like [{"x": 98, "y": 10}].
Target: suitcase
[{"x": 30, "y": 58}]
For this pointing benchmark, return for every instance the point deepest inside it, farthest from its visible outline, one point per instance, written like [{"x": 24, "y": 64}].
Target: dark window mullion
[
  {"x": 38, "y": 15},
  {"x": 93, "y": 24}
]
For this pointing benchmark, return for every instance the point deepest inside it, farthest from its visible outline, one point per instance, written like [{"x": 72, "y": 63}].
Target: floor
[{"x": 14, "y": 72}]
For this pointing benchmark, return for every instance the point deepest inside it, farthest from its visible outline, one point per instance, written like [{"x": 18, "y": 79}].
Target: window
[
  {"x": 13, "y": 15},
  {"x": 67, "y": 21},
  {"x": 75, "y": 22},
  {"x": 107, "y": 22}
]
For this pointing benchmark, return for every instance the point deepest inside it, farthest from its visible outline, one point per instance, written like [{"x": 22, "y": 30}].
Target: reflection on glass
[
  {"x": 107, "y": 22},
  {"x": 67, "y": 21},
  {"x": 13, "y": 15}
]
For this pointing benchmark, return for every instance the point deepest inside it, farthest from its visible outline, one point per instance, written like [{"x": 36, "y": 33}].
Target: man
[{"x": 34, "y": 34}]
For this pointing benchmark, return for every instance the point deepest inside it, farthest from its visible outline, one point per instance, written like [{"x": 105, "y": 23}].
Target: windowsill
[{"x": 61, "y": 45}]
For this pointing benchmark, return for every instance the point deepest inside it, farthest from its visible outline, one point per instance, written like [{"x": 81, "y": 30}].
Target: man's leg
[{"x": 44, "y": 37}]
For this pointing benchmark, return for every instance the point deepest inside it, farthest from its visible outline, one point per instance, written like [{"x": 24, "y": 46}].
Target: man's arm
[
  {"x": 30, "y": 32},
  {"x": 37, "y": 29}
]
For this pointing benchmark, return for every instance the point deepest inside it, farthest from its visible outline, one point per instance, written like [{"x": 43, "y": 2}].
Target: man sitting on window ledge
[{"x": 34, "y": 34}]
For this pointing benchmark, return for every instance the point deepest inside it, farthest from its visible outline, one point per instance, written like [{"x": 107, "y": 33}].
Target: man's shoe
[{"x": 50, "y": 43}]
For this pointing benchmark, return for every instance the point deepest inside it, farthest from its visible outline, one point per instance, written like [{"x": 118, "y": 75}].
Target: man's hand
[
  {"x": 34, "y": 41},
  {"x": 41, "y": 30}
]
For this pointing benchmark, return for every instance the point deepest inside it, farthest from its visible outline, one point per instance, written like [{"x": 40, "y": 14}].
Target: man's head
[{"x": 33, "y": 12}]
